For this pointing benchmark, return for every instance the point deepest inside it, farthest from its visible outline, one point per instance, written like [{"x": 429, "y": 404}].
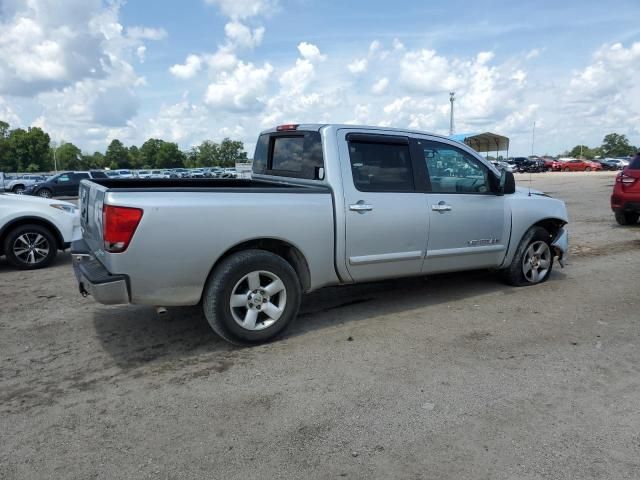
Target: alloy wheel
[
  {"x": 536, "y": 261},
  {"x": 258, "y": 300},
  {"x": 31, "y": 248}
]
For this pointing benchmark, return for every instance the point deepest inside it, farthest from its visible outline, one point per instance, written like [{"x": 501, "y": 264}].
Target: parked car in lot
[
  {"x": 17, "y": 184},
  {"x": 33, "y": 229},
  {"x": 327, "y": 205},
  {"x": 577, "y": 165},
  {"x": 619, "y": 164},
  {"x": 62, "y": 185},
  {"x": 528, "y": 165},
  {"x": 608, "y": 164},
  {"x": 124, "y": 173},
  {"x": 625, "y": 200}
]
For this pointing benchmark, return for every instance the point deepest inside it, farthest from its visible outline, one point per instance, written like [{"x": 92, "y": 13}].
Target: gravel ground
[{"x": 448, "y": 377}]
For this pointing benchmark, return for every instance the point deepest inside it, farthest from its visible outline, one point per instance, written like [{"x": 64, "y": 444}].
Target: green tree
[
  {"x": 69, "y": 157},
  {"x": 4, "y": 146},
  {"x": 208, "y": 154},
  {"x": 582, "y": 151},
  {"x": 135, "y": 159},
  {"x": 149, "y": 152},
  {"x": 94, "y": 160},
  {"x": 28, "y": 147},
  {"x": 230, "y": 152},
  {"x": 616, "y": 145},
  {"x": 169, "y": 156},
  {"x": 117, "y": 155}
]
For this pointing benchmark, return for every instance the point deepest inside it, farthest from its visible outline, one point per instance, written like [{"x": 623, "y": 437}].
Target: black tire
[
  {"x": 566, "y": 169},
  {"x": 588, "y": 169},
  {"x": 225, "y": 277},
  {"x": 18, "y": 189},
  {"x": 627, "y": 218},
  {"x": 12, "y": 243},
  {"x": 45, "y": 193},
  {"x": 514, "y": 274}
]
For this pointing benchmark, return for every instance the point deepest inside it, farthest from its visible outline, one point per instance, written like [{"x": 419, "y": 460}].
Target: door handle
[
  {"x": 360, "y": 207},
  {"x": 441, "y": 207}
]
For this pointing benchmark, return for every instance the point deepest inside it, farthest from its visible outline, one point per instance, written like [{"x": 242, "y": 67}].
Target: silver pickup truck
[{"x": 327, "y": 205}]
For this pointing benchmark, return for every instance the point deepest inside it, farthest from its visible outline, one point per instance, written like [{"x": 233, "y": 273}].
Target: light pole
[
  {"x": 452, "y": 99},
  {"x": 533, "y": 138}
]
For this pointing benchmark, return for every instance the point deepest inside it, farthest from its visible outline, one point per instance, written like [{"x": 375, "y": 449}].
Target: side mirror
[{"x": 507, "y": 183}]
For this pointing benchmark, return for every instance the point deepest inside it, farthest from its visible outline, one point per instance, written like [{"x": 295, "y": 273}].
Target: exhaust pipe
[{"x": 161, "y": 311}]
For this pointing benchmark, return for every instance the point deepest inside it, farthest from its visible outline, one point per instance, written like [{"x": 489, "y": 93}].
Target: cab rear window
[
  {"x": 635, "y": 163},
  {"x": 297, "y": 155}
]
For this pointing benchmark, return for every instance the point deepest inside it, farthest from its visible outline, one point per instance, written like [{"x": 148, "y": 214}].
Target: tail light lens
[
  {"x": 626, "y": 179},
  {"x": 118, "y": 226}
]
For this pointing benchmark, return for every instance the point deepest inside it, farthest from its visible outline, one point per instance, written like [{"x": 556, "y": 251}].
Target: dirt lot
[{"x": 452, "y": 377}]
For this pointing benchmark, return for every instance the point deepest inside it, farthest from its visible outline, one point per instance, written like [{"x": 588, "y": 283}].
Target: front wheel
[
  {"x": 627, "y": 218},
  {"x": 29, "y": 247},
  {"x": 567, "y": 169},
  {"x": 588, "y": 169},
  {"x": 251, "y": 297},
  {"x": 533, "y": 260}
]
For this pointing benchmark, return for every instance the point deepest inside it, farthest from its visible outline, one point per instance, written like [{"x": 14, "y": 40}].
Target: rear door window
[
  {"x": 635, "y": 163},
  {"x": 381, "y": 167}
]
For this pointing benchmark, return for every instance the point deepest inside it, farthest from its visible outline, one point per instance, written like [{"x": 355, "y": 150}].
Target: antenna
[
  {"x": 452, "y": 99},
  {"x": 533, "y": 143}
]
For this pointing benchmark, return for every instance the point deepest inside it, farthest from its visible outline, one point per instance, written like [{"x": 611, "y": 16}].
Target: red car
[
  {"x": 580, "y": 166},
  {"x": 553, "y": 165},
  {"x": 625, "y": 201}
]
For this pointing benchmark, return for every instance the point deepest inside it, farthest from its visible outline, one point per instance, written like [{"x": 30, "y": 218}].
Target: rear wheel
[
  {"x": 566, "y": 169},
  {"x": 627, "y": 218},
  {"x": 533, "y": 260},
  {"x": 251, "y": 297},
  {"x": 18, "y": 189},
  {"x": 30, "y": 247}
]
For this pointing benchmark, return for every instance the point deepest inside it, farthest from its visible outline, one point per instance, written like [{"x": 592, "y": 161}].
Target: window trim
[
  {"x": 490, "y": 173},
  {"x": 381, "y": 139}
]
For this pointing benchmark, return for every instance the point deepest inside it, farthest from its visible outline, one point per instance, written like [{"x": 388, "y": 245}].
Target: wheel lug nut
[{"x": 257, "y": 307}]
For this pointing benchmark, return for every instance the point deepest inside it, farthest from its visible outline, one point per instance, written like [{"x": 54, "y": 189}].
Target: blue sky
[{"x": 89, "y": 71}]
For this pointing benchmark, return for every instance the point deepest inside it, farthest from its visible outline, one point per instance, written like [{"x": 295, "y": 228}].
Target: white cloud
[
  {"x": 380, "y": 86},
  {"x": 311, "y": 52},
  {"x": 242, "y": 9},
  {"x": 140, "y": 52},
  {"x": 533, "y": 53},
  {"x": 240, "y": 89},
  {"x": 359, "y": 65},
  {"x": 146, "y": 33},
  {"x": 427, "y": 72},
  {"x": 240, "y": 35},
  {"x": 188, "y": 69}
]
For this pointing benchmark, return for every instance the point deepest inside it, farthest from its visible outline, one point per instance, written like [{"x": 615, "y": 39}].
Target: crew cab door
[
  {"x": 469, "y": 223},
  {"x": 386, "y": 219}
]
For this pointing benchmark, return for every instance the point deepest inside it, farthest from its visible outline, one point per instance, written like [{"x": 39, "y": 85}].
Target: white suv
[{"x": 33, "y": 229}]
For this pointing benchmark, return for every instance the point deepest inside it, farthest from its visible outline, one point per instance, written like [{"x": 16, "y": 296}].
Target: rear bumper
[
  {"x": 560, "y": 246},
  {"x": 620, "y": 206},
  {"x": 95, "y": 280}
]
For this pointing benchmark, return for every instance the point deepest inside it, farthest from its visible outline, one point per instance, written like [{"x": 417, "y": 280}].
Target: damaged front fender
[{"x": 560, "y": 246}]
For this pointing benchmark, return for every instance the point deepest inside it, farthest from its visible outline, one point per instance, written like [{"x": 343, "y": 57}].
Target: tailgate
[{"x": 91, "y": 201}]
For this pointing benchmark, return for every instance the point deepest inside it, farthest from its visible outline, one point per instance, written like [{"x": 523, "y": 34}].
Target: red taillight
[
  {"x": 118, "y": 226},
  {"x": 625, "y": 179},
  {"x": 287, "y": 128}
]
